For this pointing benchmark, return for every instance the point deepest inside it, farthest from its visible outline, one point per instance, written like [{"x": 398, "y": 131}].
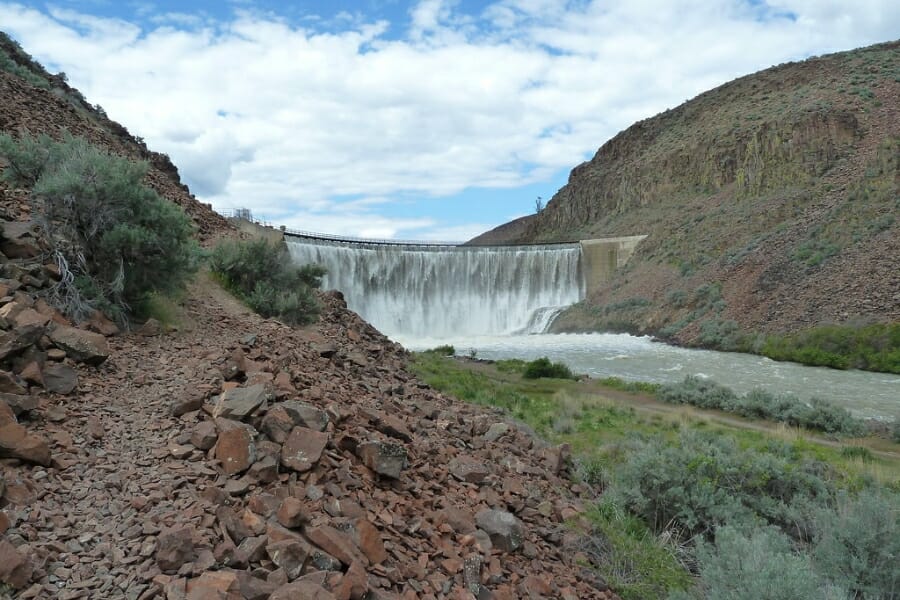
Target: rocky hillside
[
  {"x": 771, "y": 204},
  {"x": 32, "y": 100},
  {"x": 238, "y": 458}
]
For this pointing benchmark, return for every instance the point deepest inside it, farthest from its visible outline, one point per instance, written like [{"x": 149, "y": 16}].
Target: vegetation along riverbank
[{"x": 703, "y": 493}]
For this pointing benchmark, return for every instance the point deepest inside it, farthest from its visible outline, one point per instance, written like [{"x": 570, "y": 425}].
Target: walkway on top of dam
[{"x": 327, "y": 237}]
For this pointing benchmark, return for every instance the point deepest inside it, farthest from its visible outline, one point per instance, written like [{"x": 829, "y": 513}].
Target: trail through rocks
[{"x": 241, "y": 458}]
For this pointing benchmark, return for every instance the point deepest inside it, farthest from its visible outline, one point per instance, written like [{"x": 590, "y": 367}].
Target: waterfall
[{"x": 443, "y": 291}]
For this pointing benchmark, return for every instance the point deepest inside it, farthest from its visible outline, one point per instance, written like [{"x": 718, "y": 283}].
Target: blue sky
[{"x": 432, "y": 119}]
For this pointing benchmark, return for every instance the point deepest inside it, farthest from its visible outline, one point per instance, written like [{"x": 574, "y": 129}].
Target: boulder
[
  {"x": 204, "y": 435},
  {"x": 235, "y": 450},
  {"x": 384, "y": 458},
  {"x": 306, "y": 415},
  {"x": 19, "y": 403},
  {"x": 16, "y": 442},
  {"x": 20, "y": 338},
  {"x": 503, "y": 528},
  {"x": 468, "y": 469},
  {"x": 303, "y": 448},
  {"x": 290, "y": 555},
  {"x": 59, "y": 378},
  {"x": 174, "y": 548},
  {"x": 82, "y": 346},
  {"x": 18, "y": 240},
  {"x": 15, "y": 567},
  {"x": 240, "y": 403}
]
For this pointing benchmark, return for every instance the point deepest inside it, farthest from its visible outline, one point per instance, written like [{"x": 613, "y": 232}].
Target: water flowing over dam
[{"x": 434, "y": 291}]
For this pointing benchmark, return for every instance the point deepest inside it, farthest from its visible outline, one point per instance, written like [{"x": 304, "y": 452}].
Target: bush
[
  {"x": 116, "y": 241},
  {"x": 755, "y": 565},
  {"x": 873, "y": 347},
  {"x": 542, "y": 367},
  {"x": 706, "y": 481},
  {"x": 445, "y": 350},
  {"x": 263, "y": 275},
  {"x": 817, "y": 414},
  {"x": 858, "y": 544},
  {"x": 697, "y": 391}
]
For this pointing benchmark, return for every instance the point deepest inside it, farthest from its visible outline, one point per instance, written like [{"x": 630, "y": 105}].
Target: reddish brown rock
[
  {"x": 368, "y": 538},
  {"x": 204, "y": 435},
  {"x": 277, "y": 424},
  {"x": 214, "y": 584},
  {"x": 336, "y": 543},
  {"x": 15, "y": 567},
  {"x": 303, "y": 448},
  {"x": 354, "y": 584},
  {"x": 302, "y": 589},
  {"x": 235, "y": 450},
  {"x": 384, "y": 458},
  {"x": 175, "y": 547},
  {"x": 19, "y": 403},
  {"x": 289, "y": 555},
  {"x": 10, "y": 383},
  {"x": 468, "y": 469},
  {"x": 292, "y": 513},
  {"x": 16, "y": 442},
  {"x": 59, "y": 378}
]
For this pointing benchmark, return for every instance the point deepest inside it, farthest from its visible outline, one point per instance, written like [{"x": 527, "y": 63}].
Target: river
[{"x": 635, "y": 358}]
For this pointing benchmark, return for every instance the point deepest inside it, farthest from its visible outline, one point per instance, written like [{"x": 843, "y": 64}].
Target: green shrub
[
  {"x": 817, "y": 414},
  {"x": 116, "y": 241},
  {"x": 697, "y": 391},
  {"x": 445, "y": 350},
  {"x": 542, "y": 367},
  {"x": 857, "y": 544},
  {"x": 755, "y": 565},
  {"x": 263, "y": 275},
  {"x": 895, "y": 431},
  {"x": 873, "y": 347},
  {"x": 706, "y": 481}
]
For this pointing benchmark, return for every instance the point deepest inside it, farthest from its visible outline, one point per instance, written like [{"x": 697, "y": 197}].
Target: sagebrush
[
  {"x": 263, "y": 275},
  {"x": 116, "y": 241}
]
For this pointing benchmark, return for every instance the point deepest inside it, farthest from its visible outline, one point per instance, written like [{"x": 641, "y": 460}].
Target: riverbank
[
  {"x": 611, "y": 430},
  {"x": 869, "y": 347}
]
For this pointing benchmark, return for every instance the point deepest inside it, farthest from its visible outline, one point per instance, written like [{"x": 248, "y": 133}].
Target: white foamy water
[
  {"x": 641, "y": 359},
  {"x": 445, "y": 291}
]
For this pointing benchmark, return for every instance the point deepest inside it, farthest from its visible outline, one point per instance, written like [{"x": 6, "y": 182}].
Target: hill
[
  {"x": 770, "y": 205},
  {"x": 35, "y": 101}
]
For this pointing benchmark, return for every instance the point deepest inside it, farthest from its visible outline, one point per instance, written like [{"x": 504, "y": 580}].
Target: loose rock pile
[{"x": 245, "y": 459}]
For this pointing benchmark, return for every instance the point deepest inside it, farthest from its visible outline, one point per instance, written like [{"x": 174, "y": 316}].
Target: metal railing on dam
[{"x": 327, "y": 237}]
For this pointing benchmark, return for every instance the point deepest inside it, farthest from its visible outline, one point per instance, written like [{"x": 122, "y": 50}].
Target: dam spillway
[{"x": 441, "y": 291}]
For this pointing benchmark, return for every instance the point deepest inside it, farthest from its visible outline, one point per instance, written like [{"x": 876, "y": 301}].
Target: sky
[{"x": 427, "y": 120}]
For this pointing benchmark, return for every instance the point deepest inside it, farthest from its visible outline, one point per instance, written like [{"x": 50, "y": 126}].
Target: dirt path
[{"x": 97, "y": 517}]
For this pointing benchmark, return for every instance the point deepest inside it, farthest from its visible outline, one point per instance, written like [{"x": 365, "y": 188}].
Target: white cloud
[{"x": 290, "y": 121}]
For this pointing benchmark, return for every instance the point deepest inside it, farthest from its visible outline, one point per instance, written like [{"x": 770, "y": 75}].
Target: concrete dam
[{"x": 440, "y": 290}]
